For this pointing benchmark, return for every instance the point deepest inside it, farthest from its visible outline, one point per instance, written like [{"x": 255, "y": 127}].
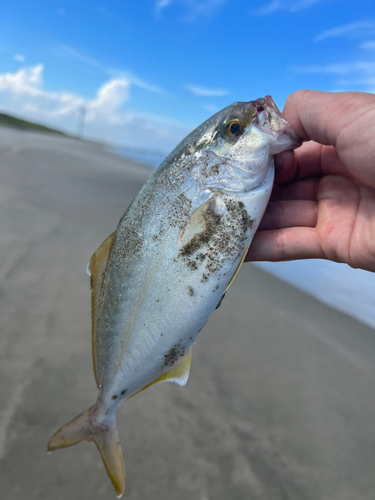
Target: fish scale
[{"x": 157, "y": 279}]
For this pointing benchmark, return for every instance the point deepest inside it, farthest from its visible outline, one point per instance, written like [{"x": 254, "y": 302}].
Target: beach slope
[{"x": 280, "y": 403}]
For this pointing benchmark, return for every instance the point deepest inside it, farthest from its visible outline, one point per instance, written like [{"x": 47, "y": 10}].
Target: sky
[{"x": 148, "y": 72}]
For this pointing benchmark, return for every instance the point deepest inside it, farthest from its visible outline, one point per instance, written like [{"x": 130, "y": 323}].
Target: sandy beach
[{"x": 280, "y": 403}]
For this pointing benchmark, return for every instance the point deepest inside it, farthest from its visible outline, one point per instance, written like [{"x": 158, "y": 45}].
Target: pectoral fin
[
  {"x": 96, "y": 269},
  {"x": 201, "y": 225}
]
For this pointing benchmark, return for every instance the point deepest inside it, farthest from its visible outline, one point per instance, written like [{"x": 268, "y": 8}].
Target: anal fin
[{"x": 179, "y": 373}]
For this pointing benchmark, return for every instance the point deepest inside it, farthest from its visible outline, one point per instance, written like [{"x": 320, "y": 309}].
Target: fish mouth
[
  {"x": 270, "y": 121},
  {"x": 266, "y": 102}
]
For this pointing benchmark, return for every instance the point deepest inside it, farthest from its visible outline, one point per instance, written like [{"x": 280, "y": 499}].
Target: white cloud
[
  {"x": 286, "y": 5},
  {"x": 339, "y": 69},
  {"x": 138, "y": 82},
  {"x": 161, "y": 5},
  {"x": 23, "y": 93},
  {"x": 105, "y": 12},
  {"x": 196, "y": 8},
  {"x": 72, "y": 52},
  {"x": 270, "y": 8},
  {"x": 76, "y": 54},
  {"x": 110, "y": 97},
  {"x": 353, "y": 75},
  {"x": 354, "y": 30},
  {"x": 24, "y": 90},
  {"x": 199, "y": 8},
  {"x": 369, "y": 45},
  {"x": 26, "y": 79},
  {"x": 202, "y": 91},
  {"x": 360, "y": 75},
  {"x": 19, "y": 57}
]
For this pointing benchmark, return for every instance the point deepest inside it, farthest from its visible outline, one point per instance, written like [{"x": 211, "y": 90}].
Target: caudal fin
[{"x": 105, "y": 436}]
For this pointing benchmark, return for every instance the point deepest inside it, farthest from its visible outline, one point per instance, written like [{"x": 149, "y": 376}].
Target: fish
[{"x": 157, "y": 279}]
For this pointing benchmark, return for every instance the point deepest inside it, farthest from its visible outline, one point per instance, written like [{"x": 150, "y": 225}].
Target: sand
[{"x": 280, "y": 403}]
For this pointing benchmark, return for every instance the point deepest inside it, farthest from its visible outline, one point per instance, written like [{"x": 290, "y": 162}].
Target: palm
[
  {"x": 323, "y": 203},
  {"x": 345, "y": 227}
]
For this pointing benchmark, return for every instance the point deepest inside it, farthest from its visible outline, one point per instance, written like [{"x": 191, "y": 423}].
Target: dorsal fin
[
  {"x": 96, "y": 269},
  {"x": 179, "y": 373}
]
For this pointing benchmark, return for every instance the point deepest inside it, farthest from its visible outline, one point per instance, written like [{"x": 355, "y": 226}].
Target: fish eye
[{"x": 234, "y": 128}]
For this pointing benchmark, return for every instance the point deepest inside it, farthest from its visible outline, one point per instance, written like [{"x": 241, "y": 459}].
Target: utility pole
[{"x": 81, "y": 120}]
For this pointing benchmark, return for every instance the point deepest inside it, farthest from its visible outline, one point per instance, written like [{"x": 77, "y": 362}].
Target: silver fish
[{"x": 157, "y": 279}]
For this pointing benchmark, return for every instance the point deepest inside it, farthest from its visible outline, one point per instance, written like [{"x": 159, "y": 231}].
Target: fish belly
[{"x": 160, "y": 293}]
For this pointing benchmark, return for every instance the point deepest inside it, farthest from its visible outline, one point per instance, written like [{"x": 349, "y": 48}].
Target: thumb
[{"x": 322, "y": 116}]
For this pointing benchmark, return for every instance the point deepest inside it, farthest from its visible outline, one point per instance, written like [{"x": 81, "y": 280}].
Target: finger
[
  {"x": 286, "y": 167},
  {"x": 310, "y": 160},
  {"x": 305, "y": 189},
  {"x": 285, "y": 244},
  {"x": 321, "y": 116},
  {"x": 282, "y": 214},
  {"x": 301, "y": 163}
]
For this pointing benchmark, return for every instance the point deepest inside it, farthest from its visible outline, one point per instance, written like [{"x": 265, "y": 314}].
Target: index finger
[{"x": 310, "y": 160}]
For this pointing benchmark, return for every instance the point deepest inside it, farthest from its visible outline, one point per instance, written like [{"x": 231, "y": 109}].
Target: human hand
[{"x": 323, "y": 201}]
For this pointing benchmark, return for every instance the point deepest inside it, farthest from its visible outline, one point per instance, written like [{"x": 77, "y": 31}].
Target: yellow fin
[
  {"x": 105, "y": 436},
  {"x": 179, "y": 373},
  {"x": 238, "y": 268},
  {"x": 96, "y": 269}
]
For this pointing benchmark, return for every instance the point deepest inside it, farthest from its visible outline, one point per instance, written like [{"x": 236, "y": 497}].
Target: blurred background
[{"x": 280, "y": 401}]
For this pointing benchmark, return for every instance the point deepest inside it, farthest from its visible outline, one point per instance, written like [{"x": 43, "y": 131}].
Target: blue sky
[{"x": 148, "y": 72}]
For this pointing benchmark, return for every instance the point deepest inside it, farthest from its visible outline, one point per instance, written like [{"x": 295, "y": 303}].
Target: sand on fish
[{"x": 280, "y": 403}]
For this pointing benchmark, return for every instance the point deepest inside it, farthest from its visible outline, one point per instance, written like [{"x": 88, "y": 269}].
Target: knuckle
[
  {"x": 297, "y": 96},
  {"x": 279, "y": 244}
]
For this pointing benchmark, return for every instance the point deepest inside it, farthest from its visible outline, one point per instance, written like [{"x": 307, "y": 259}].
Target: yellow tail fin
[{"x": 105, "y": 436}]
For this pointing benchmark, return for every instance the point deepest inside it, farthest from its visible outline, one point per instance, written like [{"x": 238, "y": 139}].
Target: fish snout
[{"x": 271, "y": 122}]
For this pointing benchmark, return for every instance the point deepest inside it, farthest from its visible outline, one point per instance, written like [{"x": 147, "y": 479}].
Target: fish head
[
  {"x": 233, "y": 149},
  {"x": 249, "y": 134}
]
